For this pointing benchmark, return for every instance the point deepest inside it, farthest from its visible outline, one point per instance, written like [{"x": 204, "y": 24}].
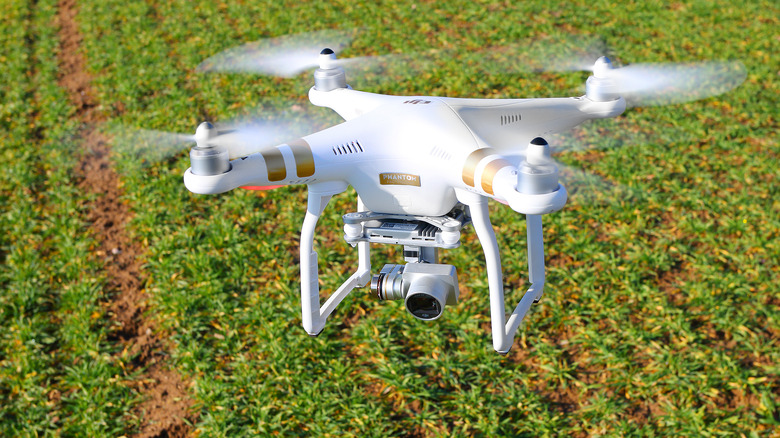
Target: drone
[{"x": 424, "y": 168}]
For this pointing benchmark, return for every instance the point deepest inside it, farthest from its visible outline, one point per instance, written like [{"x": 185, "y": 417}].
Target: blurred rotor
[
  {"x": 663, "y": 84},
  {"x": 285, "y": 56},
  {"x": 290, "y": 55},
  {"x": 240, "y": 137}
]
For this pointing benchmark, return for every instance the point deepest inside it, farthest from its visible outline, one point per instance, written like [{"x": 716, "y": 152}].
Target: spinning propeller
[
  {"x": 285, "y": 56},
  {"x": 237, "y": 138},
  {"x": 662, "y": 84}
]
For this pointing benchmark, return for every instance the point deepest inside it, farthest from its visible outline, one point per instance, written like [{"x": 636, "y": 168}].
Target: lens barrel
[{"x": 388, "y": 284}]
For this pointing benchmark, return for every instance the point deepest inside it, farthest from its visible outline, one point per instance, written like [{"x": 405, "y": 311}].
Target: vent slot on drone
[
  {"x": 407, "y": 232},
  {"x": 510, "y": 118},
  {"x": 350, "y": 147}
]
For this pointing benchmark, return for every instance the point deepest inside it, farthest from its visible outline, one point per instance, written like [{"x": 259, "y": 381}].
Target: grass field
[{"x": 661, "y": 311}]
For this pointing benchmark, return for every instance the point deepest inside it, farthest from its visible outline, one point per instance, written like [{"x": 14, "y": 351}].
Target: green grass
[
  {"x": 57, "y": 370},
  {"x": 661, "y": 310}
]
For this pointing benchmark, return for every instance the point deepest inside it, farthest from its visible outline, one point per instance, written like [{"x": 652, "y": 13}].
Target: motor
[{"x": 206, "y": 158}]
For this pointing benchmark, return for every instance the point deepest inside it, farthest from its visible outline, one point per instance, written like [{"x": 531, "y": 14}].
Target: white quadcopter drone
[{"x": 423, "y": 168}]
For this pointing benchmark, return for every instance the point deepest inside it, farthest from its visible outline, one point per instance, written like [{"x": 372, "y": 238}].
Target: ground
[{"x": 130, "y": 307}]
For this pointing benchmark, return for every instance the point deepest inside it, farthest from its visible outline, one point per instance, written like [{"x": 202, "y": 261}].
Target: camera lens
[
  {"x": 425, "y": 287},
  {"x": 423, "y": 306}
]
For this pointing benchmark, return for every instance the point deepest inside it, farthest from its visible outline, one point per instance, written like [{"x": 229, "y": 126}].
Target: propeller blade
[
  {"x": 286, "y": 56},
  {"x": 148, "y": 145},
  {"x": 664, "y": 84},
  {"x": 240, "y": 138},
  {"x": 251, "y": 136}
]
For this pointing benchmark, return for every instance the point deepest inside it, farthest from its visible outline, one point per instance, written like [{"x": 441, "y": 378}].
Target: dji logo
[{"x": 416, "y": 101}]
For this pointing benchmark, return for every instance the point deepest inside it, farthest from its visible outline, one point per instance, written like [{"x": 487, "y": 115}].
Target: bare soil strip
[{"x": 165, "y": 411}]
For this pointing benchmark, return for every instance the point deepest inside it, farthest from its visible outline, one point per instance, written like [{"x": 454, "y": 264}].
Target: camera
[{"x": 425, "y": 287}]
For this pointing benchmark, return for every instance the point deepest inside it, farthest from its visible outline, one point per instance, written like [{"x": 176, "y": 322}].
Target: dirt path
[{"x": 164, "y": 412}]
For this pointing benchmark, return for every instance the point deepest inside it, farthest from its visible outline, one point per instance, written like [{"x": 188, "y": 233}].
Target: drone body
[
  {"x": 423, "y": 168},
  {"x": 408, "y": 155}
]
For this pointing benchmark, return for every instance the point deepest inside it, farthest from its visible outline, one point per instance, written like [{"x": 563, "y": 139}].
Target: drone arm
[
  {"x": 314, "y": 316},
  {"x": 349, "y": 103},
  {"x": 519, "y": 120},
  {"x": 504, "y": 329},
  {"x": 253, "y": 170}
]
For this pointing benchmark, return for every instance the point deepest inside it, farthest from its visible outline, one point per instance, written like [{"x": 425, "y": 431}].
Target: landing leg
[
  {"x": 504, "y": 329},
  {"x": 313, "y": 316}
]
